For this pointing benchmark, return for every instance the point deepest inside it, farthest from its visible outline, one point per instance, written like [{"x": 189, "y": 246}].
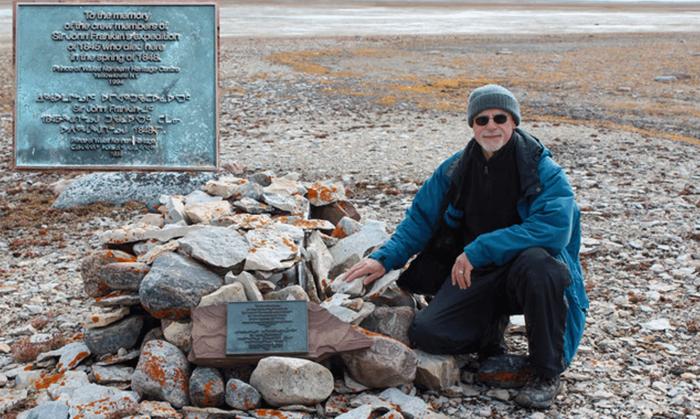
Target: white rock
[
  {"x": 285, "y": 381},
  {"x": 206, "y": 212},
  {"x": 227, "y": 294},
  {"x": 221, "y": 247},
  {"x": 249, "y": 284},
  {"x": 270, "y": 249},
  {"x": 410, "y": 405},
  {"x": 179, "y": 334},
  {"x": 352, "y": 248},
  {"x": 657, "y": 325}
]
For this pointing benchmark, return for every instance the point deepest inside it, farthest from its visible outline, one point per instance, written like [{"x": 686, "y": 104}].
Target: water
[{"x": 439, "y": 17}]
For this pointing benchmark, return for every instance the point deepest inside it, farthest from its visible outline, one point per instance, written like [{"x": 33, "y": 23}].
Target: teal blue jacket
[{"x": 550, "y": 220}]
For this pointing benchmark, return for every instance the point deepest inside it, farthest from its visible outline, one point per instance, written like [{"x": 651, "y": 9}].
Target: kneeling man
[{"x": 517, "y": 224}]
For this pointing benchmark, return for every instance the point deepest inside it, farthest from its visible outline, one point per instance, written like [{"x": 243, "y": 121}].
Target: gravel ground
[{"x": 372, "y": 113}]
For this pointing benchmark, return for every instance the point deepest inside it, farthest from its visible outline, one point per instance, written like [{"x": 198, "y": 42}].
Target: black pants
[{"x": 474, "y": 319}]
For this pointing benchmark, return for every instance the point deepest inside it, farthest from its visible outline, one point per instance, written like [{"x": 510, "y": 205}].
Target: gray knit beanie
[{"x": 492, "y": 96}]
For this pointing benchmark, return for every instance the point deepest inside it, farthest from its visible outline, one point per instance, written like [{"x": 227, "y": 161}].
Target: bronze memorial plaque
[
  {"x": 267, "y": 327},
  {"x": 116, "y": 85}
]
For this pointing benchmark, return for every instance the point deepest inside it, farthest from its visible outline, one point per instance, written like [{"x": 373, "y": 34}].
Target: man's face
[{"x": 493, "y": 135}]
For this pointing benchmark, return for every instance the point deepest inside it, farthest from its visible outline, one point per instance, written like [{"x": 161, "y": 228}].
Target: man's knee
[{"x": 538, "y": 268}]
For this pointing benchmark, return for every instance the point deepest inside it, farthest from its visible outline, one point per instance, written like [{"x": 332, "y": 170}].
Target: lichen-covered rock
[
  {"x": 241, "y": 395},
  {"x": 207, "y": 387},
  {"x": 108, "y": 340},
  {"x": 123, "y": 275},
  {"x": 90, "y": 267},
  {"x": 175, "y": 285},
  {"x": 221, "y": 247},
  {"x": 162, "y": 373}
]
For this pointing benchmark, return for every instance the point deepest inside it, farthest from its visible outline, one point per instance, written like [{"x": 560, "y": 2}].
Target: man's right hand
[{"x": 370, "y": 267}]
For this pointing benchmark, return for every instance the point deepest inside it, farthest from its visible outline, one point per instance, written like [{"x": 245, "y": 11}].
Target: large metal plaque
[
  {"x": 267, "y": 327},
  {"x": 116, "y": 85}
]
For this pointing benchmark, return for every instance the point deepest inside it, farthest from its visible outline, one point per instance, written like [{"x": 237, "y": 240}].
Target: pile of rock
[{"x": 238, "y": 239}]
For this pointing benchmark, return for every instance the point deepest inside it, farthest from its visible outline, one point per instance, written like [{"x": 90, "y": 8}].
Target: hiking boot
[{"x": 539, "y": 393}]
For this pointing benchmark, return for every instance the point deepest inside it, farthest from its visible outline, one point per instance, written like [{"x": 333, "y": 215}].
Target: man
[{"x": 515, "y": 210}]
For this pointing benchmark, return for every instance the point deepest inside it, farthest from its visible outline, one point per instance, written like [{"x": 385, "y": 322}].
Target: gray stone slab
[{"x": 142, "y": 187}]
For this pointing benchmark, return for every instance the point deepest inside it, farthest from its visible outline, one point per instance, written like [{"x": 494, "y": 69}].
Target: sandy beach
[{"x": 619, "y": 111}]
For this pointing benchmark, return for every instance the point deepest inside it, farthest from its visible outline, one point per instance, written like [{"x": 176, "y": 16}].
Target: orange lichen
[
  {"x": 46, "y": 380},
  {"x": 290, "y": 244},
  {"x": 77, "y": 359},
  {"x": 338, "y": 232},
  {"x": 270, "y": 412},
  {"x": 170, "y": 313},
  {"x": 153, "y": 369}
]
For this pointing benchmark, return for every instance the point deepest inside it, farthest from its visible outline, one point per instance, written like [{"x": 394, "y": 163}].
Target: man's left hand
[{"x": 462, "y": 272}]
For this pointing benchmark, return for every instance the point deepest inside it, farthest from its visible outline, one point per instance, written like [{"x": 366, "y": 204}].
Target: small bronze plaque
[{"x": 267, "y": 327}]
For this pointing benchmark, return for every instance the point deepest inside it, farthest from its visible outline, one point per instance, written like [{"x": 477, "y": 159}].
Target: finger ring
[{"x": 461, "y": 272}]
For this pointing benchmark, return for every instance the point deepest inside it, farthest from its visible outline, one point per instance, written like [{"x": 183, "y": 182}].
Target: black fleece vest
[{"x": 490, "y": 191}]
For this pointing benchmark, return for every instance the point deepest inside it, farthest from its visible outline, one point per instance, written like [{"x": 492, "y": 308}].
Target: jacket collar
[{"x": 528, "y": 153}]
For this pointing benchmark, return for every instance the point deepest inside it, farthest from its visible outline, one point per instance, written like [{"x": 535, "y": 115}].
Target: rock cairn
[{"x": 237, "y": 239}]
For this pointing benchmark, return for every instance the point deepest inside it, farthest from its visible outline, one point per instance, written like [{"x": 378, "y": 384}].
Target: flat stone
[
  {"x": 206, "y": 212},
  {"x": 353, "y": 248},
  {"x": 321, "y": 261},
  {"x": 293, "y": 204},
  {"x": 113, "y": 374},
  {"x": 69, "y": 355},
  {"x": 292, "y": 292},
  {"x": 284, "y": 381},
  {"x": 179, "y": 334},
  {"x": 245, "y": 221},
  {"x": 325, "y": 193},
  {"x": 346, "y": 227},
  {"x": 145, "y": 187},
  {"x": 11, "y": 399},
  {"x": 100, "y": 402},
  {"x": 355, "y": 288},
  {"x": 63, "y": 386},
  {"x": 191, "y": 412},
  {"x": 303, "y": 223},
  {"x": 335, "y": 212},
  {"x": 171, "y": 231},
  {"x": 96, "y": 319},
  {"x": 48, "y": 410},
  {"x": 241, "y": 395},
  {"x": 269, "y": 249},
  {"x": 207, "y": 387},
  {"x": 158, "y": 410},
  {"x": 162, "y": 373},
  {"x": 391, "y": 321},
  {"x": 153, "y": 252},
  {"x": 657, "y": 325},
  {"x": 386, "y": 363},
  {"x": 498, "y": 394},
  {"x": 285, "y": 186},
  {"x": 174, "y": 208},
  {"x": 221, "y": 247},
  {"x": 126, "y": 234},
  {"x": 380, "y": 285},
  {"x": 119, "y": 358},
  {"x": 175, "y": 285},
  {"x": 363, "y": 412},
  {"x": 249, "y": 284},
  {"x": 123, "y": 275},
  {"x": 117, "y": 299},
  {"x": 410, "y": 406},
  {"x": 436, "y": 372},
  {"x": 252, "y": 206},
  {"x": 90, "y": 266},
  {"x": 227, "y": 294},
  {"x": 229, "y": 187},
  {"x": 200, "y": 197},
  {"x": 107, "y": 340}
]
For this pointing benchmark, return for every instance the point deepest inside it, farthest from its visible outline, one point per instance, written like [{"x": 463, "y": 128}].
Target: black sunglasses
[{"x": 500, "y": 118}]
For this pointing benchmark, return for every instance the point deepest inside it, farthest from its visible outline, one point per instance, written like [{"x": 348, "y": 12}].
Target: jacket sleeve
[
  {"x": 548, "y": 223},
  {"x": 413, "y": 233}
]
